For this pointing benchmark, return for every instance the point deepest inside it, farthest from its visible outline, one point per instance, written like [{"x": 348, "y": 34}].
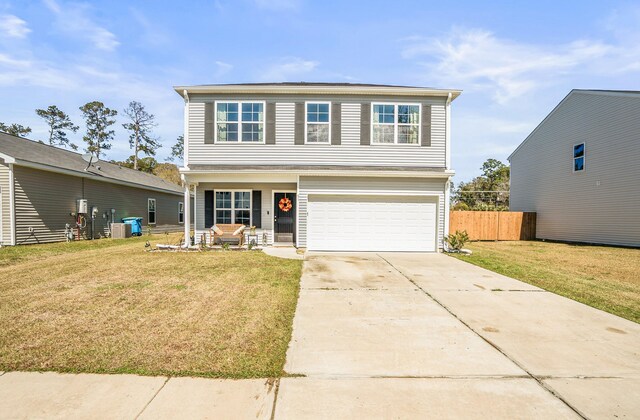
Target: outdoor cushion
[
  {"x": 217, "y": 230},
  {"x": 239, "y": 230}
]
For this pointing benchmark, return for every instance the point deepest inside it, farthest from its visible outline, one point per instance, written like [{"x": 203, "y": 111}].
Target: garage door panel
[{"x": 371, "y": 223}]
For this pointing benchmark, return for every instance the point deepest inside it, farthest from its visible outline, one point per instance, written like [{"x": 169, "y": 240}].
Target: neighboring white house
[
  {"x": 323, "y": 166},
  {"x": 579, "y": 170}
]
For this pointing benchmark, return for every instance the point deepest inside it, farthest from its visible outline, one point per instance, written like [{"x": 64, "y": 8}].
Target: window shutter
[
  {"x": 299, "y": 123},
  {"x": 208, "y": 123},
  {"x": 365, "y": 124},
  {"x": 425, "y": 128},
  {"x": 208, "y": 209},
  {"x": 256, "y": 208},
  {"x": 336, "y": 123},
  {"x": 270, "y": 122}
]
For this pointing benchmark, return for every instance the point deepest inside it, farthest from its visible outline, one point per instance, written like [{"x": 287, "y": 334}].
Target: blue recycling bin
[{"x": 136, "y": 225}]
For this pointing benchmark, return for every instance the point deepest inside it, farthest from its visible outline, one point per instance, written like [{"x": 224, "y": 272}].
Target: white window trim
[
  {"x": 155, "y": 211},
  {"x": 584, "y": 158},
  {"x": 215, "y": 121},
  {"x": 233, "y": 205},
  {"x": 180, "y": 204},
  {"x": 328, "y": 142},
  {"x": 395, "y": 124}
]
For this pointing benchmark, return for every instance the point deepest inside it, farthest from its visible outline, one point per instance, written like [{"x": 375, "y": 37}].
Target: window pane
[
  {"x": 383, "y": 134},
  {"x": 243, "y": 217},
  {"x": 324, "y": 108},
  {"x": 408, "y": 114},
  {"x": 227, "y": 132},
  {"x": 152, "y": 217},
  {"x": 578, "y": 150},
  {"x": 252, "y": 132},
  {"x": 578, "y": 164},
  {"x": 243, "y": 200},
  {"x": 312, "y": 117},
  {"x": 383, "y": 114},
  {"x": 223, "y": 199},
  {"x": 223, "y": 216},
  {"x": 408, "y": 134},
  {"x": 226, "y": 112},
  {"x": 152, "y": 205},
  {"x": 323, "y": 117},
  {"x": 252, "y": 112},
  {"x": 317, "y": 133}
]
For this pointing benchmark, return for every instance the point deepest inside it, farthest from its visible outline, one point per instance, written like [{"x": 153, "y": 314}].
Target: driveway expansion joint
[
  {"x": 152, "y": 398},
  {"x": 530, "y": 375}
]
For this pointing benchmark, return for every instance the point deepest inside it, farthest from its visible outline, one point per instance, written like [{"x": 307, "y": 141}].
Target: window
[
  {"x": 233, "y": 207},
  {"x": 395, "y": 124},
  {"x": 151, "y": 211},
  {"x": 240, "y": 122},
  {"x": 578, "y": 157},
  {"x": 318, "y": 125},
  {"x": 181, "y": 212}
]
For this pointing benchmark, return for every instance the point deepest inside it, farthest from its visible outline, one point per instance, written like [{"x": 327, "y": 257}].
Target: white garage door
[{"x": 371, "y": 223}]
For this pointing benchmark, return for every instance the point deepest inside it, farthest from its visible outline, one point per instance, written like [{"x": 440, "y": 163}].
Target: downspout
[
  {"x": 185, "y": 135},
  {"x": 12, "y": 204}
]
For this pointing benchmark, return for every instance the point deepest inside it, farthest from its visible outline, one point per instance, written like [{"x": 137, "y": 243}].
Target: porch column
[
  {"x": 187, "y": 213},
  {"x": 196, "y": 237}
]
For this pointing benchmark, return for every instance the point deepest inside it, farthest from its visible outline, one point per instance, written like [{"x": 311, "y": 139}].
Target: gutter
[{"x": 329, "y": 172}]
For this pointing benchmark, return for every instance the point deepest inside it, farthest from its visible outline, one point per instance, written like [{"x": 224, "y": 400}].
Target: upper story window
[
  {"x": 317, "y": 122},
  {"x": 578, "y": 157},
  {"x": 395, "y": 124},
  {"x": 240, "y": 122}
]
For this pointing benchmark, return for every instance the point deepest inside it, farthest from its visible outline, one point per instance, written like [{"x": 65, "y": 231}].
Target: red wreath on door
[{"x": 285, "y": 204}]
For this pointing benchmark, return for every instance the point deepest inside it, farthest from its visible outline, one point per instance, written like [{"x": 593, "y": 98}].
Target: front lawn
[
  {"x": 108, "y": 306},
  {"x": 606, "y": 278}
]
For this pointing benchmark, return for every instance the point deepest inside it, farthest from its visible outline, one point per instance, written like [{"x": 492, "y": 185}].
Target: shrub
[{"x": 457, "y": 240}]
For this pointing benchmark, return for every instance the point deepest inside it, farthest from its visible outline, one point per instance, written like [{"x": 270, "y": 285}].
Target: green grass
[
  {"x": 603, "y": 277},
  {"x": 108, "y": 306}
]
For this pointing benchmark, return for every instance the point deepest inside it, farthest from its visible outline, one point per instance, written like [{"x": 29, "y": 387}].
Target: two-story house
[{"x": 323, "y": 166}]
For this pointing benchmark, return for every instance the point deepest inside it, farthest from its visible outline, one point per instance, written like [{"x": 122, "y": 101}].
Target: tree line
[
  {"x": 99, "y": 121},
  {"x": 489, "y": 191}
]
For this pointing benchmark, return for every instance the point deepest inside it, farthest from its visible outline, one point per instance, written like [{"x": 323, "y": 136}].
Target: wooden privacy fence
[{"x": 494, "y": 225}]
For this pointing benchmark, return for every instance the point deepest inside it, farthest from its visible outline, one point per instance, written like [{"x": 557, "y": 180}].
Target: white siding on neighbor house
[
  {"x": 285, "y": 122},
  {"x": 373, "y": 185},
  {"x": 266, "y": 209},
  {"x": 350, "y": 152},
  {"x": 5, "y": 205},
  {"x": 600, "y": 204}
]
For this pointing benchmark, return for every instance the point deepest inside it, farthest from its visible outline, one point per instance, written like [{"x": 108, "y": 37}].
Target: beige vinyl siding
[
  {"x": 266, "y": 204},
  {"x": 45, "y": 200},
  {"x": 600, "y": 204},
  {"x": 350, "y": 152},
  {"x": 373, "y": 185},
  {"x": 5, "y": 205}
]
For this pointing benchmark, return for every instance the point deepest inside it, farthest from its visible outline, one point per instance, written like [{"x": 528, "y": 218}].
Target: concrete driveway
[{"x": 425, "y": 335}]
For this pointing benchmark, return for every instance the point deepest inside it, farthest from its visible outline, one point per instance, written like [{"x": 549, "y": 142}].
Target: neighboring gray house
[
  {"x": 40, "y": 186},
  {"x": 579, "y": 169},
  {"x": 323, "y": 166}
]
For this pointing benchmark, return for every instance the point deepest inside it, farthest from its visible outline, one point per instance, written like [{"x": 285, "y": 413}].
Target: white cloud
[
  {"x": 289, "y": 68},
  {"x": 13, "y": 27},
  {"x": 223, "y": 68},
  {"x": 74, "y": 19},
  {"x": 279, "y": 5},
  {"x": 478, "y": 60}
]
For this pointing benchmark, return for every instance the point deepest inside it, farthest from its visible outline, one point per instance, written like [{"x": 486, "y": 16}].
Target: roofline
[
  {"x": 311, "y": 89},
  {"x": 89, "y": 175},
  {"x": 571, "y": 93}
]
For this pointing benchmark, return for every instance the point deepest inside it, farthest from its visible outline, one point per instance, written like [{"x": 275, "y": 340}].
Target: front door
[{"x": 284, "y": 217}]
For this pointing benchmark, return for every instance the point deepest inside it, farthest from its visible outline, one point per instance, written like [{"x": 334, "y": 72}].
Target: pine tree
[
  {"x": 98, "y": 120},
  {"x": 141, "y": 127},
  {"x": 15, "y": 129},
  {"x": 177, "y": 150},
  {"x": 59, "y": 123}
]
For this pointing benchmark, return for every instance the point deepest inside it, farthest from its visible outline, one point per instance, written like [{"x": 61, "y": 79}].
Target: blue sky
[{"x": 514, "y": 62}]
